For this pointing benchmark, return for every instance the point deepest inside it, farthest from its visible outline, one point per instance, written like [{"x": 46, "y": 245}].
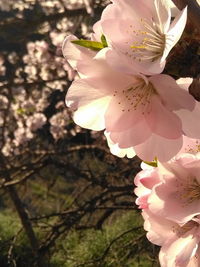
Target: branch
[{"x": 22, "y": 214}]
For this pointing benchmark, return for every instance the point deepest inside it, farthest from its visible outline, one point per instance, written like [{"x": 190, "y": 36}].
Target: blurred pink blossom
[
  {"x": 36, "y": 121},
  {"x": 58, "y": 124}
]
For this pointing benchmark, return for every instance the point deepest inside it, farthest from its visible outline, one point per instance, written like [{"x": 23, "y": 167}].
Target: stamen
[
  {"x": 152, "y": 45},
  {"x": 136, "y": 96},
  {"x": 188, "y": 191}
]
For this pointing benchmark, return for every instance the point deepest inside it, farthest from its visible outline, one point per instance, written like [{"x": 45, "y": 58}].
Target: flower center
[
  {"x": 193, "y": 148},
  {"x": 136, "y": 96},
  {"x": 190, "y": 191},
  {"x": 151, "y": 44}
]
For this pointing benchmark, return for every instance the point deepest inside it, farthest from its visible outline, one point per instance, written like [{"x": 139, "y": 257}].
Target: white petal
[
  {"x": 91, "y": 116},
  {"x": 117, "y": 151},
  {"x": 175, "y": 32},
  {"x": 73, "y": 53},
  {"x": 163, "y": 12}
]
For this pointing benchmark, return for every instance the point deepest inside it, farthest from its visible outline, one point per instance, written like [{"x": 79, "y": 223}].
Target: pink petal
[
  {"x": 142, "y": 202},
  {"x": 101, "y": 76},
  {"x": 172, "y": 94},
  {"x": 162, "y": 121},
  {"x": 119, "y": 120},
  {"x": 122, "y": 63},
  {"x": 166, "y": 201},
  {"x": 150, "y": 182},
  {"x": 74, "y": 53},
  {"x": 81, "y": 93},
  {"x": 180, "y": 251},
  {"x": 130, "y": 136},
  {"x": 190, "y": 121},
  {"x": 91, "y": 105},
  {"x": 163, "y": 14},
  {"x": 91, "y": 116},
  {"x": 134, "y": 9},
  {"x": 160, "y": 230},
  {"x": 117, "y": 151},
  {"x": 157, "y": 146}
]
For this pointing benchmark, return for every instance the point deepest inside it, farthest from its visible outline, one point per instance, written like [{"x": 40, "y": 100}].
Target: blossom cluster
[
  {"x": 27, "y": 108},
  {"x": 33, "y": 72},
  {"x": 169, "y": 196},
  {"x": 30, "y": 80},
  {"x": 121, "y": 87}
]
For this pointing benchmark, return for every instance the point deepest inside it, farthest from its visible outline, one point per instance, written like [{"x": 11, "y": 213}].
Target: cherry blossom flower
[
  {"x": 137, "y": 112},
  {"x": 177, "y": 195},
  {"x": 142, "y": 35},
  {"x": 180, "y": 243}
]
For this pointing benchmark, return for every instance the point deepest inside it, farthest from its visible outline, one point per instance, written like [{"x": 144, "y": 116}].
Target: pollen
[
  {"x": 151, "y": 42},
  {"x": 193, "y": 191},
  {"x": 137, "y": 96},
  {"x": 189, "y": 191}
]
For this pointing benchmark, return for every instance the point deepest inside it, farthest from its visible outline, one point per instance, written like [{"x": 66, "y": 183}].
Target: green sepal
[
  {"x": 103, "y": 41},
  {"x": 93, "y": 45},
  {"x": 153, "y": 163}
]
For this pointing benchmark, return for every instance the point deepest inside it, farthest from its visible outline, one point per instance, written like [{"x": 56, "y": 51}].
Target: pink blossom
[
  {"x": 142, "y": 35},
  {"x": 177, "y": 196},
  {"x": 36, "y": 121},
  {"x": 180, "y": 243},
  {"x": 137, "y": 112}
]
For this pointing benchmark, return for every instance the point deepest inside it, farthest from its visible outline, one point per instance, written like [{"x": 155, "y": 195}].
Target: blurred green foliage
[{"x": 121, "y": 242}]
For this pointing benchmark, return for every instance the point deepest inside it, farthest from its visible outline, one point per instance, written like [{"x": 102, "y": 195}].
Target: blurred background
[{"x": 64, "y": 199}]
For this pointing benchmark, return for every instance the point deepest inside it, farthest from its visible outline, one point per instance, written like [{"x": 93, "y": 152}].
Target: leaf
[{"x": 96, "y": 46}]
